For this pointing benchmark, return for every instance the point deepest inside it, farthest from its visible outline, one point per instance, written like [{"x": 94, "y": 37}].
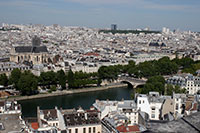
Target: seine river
[{"x": 85, "y": 100}]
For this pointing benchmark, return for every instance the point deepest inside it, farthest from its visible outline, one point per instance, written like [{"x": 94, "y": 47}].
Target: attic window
[{"x": 153, "y": 108}]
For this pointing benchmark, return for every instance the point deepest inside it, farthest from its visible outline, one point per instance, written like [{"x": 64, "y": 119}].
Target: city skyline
[{"x": 127, "y": 14}]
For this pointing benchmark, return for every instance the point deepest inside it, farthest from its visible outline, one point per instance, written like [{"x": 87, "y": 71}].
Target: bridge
[{"x": 132, "y": 82}]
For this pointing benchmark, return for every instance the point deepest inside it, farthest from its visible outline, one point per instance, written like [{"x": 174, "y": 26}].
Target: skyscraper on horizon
[{"x": 113, "y": 26}]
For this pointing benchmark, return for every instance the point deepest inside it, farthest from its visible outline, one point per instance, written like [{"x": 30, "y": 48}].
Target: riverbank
[{"x": 66, "y": 92}]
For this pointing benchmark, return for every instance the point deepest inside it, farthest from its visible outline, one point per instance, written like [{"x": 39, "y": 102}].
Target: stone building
[{"x": 35, "y": 54}]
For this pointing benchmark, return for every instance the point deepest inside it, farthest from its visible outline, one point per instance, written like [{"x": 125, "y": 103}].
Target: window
[
  {"x": 76, "y": 130},
  {"x": 152, "y": 115},
  {"x": 153, "y": 108},
  {"x": 89, "y": 129},
  {"x": 94, "y": 130},
  {"x": 70, "y": 130},
  {"x": 177, "y": 106},
  {"x": 84, "y": 130},
  {"x": 139, "y": 101},
  {"x": 143, "y": 101}
]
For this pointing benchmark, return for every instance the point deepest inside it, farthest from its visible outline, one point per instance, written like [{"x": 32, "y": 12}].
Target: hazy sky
[{"x": 127, "y": 14}]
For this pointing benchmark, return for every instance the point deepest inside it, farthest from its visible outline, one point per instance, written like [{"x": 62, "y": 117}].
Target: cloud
[
  {"x": 102, "y": 1},
  {"x": 140, "y": 4},
  {"x": 23, "y": 3},
  {"x": 144, "y": 4}
]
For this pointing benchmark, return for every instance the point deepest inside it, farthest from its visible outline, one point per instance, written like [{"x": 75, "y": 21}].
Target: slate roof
[
  {"x": 81, "y": 118},
  {"x": 154, "y": 44},
  {"x": 188, "y": 124},
  {"x": 30, "y": 49},
  {"x": 50, "y": 114}
]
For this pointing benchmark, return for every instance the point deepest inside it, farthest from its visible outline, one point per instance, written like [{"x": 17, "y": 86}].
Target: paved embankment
[{"x": 67, "y": 92}]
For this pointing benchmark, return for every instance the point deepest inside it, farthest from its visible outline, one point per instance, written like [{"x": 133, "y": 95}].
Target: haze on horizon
[{"x": 127, "y": 14}]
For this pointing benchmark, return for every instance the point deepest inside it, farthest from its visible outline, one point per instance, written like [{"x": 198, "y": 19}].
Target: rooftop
[
  {"x": 50, "y": 114},
  {"x": 81, "y": 118},
  {"x": 127, "y": 129},
  {"x": 10, "y": 122},
  {"x": 30, "y": 49},
  {"x": 186, "y": 124}
]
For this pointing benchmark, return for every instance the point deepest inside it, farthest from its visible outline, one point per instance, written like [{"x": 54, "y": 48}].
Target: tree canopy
[
  {"x": 14, "y": 77},
  {"x": 27, "y": 83},
  {"x": 3, "y": 80}
]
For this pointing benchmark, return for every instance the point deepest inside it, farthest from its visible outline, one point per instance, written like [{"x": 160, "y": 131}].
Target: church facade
[{"x": 34, "y": 54}]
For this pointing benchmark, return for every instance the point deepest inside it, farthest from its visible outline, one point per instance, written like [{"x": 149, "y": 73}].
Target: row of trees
[
  {"x": 111, "y": 73},
  {"x": 27, "y": 83},
  {"x": 153, "y": 71},
  {"x": 163, "y": 66},
  {"x": 81, "y": 79},
  {"x": 128, "y": 31},
  {"x": 157, "y": 83}
]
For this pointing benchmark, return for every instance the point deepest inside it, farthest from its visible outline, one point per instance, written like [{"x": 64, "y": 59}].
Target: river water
[{"x": 85, "y": 100}]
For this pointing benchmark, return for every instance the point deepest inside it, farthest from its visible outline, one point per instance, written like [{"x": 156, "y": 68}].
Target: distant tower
[
  {"x": 113, "y": 27},
  {"x": 36, "y": 41},
  {"x": 165, "y": 30}
]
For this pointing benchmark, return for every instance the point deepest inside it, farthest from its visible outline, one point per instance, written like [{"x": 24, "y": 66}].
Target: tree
[
  {"x": 48, "y": 78},
  {"x": 166, "y": 67},
  {"x": 170, "y": 89},
  {"x": 155, "y": 83},
  {"x": 3, "y": 80},
  {"x": 27, "y": 83},
  {"x": 14, "y": 77},
  {"x": 156, "y": 79},
  {"x": 61, "y": 79},
  {"x": 109, "y": 73},
  {"x": 183, "y": 62},
  {"x": 70, "y": 79}
]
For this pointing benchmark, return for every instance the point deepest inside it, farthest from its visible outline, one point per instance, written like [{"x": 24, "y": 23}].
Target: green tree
[
  {"x": 176, "y": 89},
  {"x": 166, "y": 67},
  {"x": 61, "y": 79},
  {"x": 14, "y": 77},
  {"x": 48, "y": 78},
  {"x": 27, "y": 83},
  {"x": 70, "y": 79},
  {"x": 185, "y": 62},
  {"x": 154, "y": 79},
  {"x": 169, "y": 89},
  {"x": 3, "y": 80},
  {"x": 154, "y": 83}
]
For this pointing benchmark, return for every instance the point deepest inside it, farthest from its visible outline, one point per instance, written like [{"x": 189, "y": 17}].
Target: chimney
[
  {"x": 38, "y": 116},
  {"x": 86, "y": 116}
]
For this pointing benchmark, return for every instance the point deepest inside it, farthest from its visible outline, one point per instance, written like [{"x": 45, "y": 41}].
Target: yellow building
[{"x": 34, "y": 54}]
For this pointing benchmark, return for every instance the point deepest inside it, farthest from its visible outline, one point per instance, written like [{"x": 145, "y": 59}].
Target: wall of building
[
  {"x": 35, "y": 58},
  {"x": 167, "y": 107},
  {"x": 88, "y": 129},
  {"x": 143, "y": 104},
  {"x": 155, "y": 110}
]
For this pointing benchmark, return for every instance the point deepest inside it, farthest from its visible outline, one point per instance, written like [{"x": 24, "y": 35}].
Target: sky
[{"x": 127, "y": 14}]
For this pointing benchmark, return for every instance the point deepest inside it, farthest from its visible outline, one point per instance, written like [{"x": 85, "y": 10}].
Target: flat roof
[{"x": 11, "y": 123}]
